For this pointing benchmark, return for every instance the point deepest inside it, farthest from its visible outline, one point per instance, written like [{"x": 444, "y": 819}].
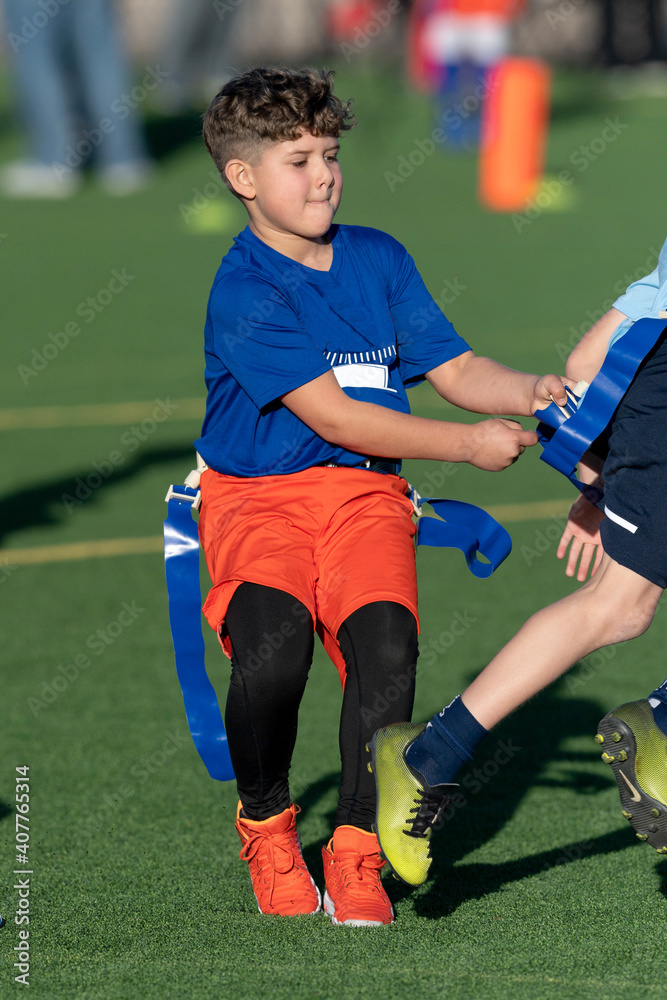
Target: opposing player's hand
[
  {"x": 550, "y": 388},
  {"x": 582, "y": 535},
  {"x": 497, "y": 443}
]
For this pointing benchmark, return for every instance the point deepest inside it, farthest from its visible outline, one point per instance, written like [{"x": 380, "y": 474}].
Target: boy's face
[{"x": 296, "y": 186}]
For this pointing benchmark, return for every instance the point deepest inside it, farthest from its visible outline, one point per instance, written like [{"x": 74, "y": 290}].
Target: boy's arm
[
  {"x": 582, "y": 531},
  {"x": 586, "y": 359},
  {"x": 485, "y": 386},
  {"x": 376, "y": 430}
]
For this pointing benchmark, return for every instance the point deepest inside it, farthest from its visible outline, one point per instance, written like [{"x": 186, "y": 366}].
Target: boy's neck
[{"x": 316, "y": 253}]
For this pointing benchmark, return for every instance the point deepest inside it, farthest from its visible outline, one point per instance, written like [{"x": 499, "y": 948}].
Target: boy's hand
[
  {"x": 582, "y": 534},
  {"x": 548, "y": 388},
  {"x": 497, "y": 443}
]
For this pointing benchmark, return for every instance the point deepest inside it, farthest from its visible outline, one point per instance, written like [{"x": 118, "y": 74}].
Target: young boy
[
  {"x": 310, "y": 341},
  {"x": 627, "y": 543}
]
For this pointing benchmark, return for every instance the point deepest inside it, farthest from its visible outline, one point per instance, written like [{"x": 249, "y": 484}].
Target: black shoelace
[{"x": 429, "y": 807}]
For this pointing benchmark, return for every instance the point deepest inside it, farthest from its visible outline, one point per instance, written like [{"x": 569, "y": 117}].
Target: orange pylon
[{"x": 515, "y": 122}]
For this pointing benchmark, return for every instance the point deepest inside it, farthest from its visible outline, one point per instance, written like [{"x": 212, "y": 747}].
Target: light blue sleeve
[{"x": 638, "y": 299}]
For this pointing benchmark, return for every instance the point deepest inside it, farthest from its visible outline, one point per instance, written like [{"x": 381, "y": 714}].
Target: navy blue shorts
[{"x": 634, "y": 531}]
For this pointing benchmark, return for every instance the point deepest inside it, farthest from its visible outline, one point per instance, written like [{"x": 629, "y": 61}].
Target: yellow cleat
[
  {"x": 640, "y": 768},
  {"x": 407, "y": 807}
]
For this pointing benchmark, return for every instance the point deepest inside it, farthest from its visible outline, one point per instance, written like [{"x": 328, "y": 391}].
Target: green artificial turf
[{"x": 540, "y": 889}]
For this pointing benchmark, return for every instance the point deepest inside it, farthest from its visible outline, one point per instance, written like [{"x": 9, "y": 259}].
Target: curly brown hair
[{"x": 268, "y": 105}]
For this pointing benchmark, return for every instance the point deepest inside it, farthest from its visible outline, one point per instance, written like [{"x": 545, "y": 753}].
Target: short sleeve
[
  {"x": 638, "y": 299},
  {"x": 425, "y": 337},
  {"x": 255, "y": 332}
]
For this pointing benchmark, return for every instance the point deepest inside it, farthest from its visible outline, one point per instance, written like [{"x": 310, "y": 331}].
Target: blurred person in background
[
  {"x": 199, "y": 51},
  {"x": 75, "y": 99},
  {"x": 632, "y": 32},
  {"x": 460, "y": 41}
]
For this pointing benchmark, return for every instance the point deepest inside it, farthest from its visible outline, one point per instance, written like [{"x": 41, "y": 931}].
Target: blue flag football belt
[
  {"x": 457, "y": 525},
  {"x": 566, "y": 433}
]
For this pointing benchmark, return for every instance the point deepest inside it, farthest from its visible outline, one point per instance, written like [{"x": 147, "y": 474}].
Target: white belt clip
[
  {"x": 192, "y": 481},
  {"x": 192, "y": 478},
  {"x": 415, "y": 498}
]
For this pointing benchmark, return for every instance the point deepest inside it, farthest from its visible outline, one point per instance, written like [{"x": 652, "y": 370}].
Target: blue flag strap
[
  {"x": 463, "y": 526},
  {"x": 567, "y": 436},
  {"x": 181, "y": 554}
]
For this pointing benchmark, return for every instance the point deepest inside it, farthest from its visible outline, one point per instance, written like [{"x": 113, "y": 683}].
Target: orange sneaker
[
  {"x": 280, "y": 880},
  {"x": 354, "y": 894}
]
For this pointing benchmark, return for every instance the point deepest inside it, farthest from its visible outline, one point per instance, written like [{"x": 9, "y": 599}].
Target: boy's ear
[{"x": 238, "y": 174}]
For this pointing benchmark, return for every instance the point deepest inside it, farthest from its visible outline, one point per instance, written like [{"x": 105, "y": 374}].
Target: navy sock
[
  {"x": 449, "y": 739},
  {"x": 658, "y": 702}
]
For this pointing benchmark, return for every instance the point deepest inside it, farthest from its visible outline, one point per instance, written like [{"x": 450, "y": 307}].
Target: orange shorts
[{"x": 334, "y": 538}]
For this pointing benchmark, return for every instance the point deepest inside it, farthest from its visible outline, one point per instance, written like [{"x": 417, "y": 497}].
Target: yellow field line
[
  {"x": 531, "y": 511},
  {"x": 141, "y": 546},
  {"x": 81, "y": 550},
  {"x": 43, "y": 417}
]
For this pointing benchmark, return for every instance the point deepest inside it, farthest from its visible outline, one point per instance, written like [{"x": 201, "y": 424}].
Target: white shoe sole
[{"x": 330, "y": 909}]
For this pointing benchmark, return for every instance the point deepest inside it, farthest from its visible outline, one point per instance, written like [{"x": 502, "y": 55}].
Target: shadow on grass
[
  {"x": 46, "y": 504},
  {"x": 474, "y": 881},
  {"x": 661, "y": 869}
]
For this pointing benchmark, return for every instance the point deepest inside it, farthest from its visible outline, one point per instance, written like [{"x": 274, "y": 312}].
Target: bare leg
[{"x": 616, "y": 604}]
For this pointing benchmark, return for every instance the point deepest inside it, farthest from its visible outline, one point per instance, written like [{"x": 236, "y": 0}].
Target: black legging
[{"x": 272, "y": 647}]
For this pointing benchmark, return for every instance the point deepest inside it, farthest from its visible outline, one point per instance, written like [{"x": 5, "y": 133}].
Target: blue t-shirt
[{"x": 273, "y": 324}]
